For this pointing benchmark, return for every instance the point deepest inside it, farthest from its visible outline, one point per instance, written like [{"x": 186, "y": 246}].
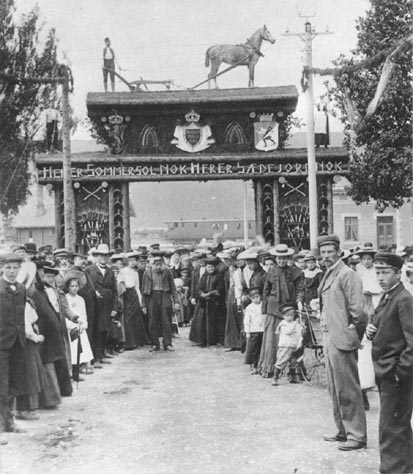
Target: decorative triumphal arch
[{"x": 193, "y": 135}]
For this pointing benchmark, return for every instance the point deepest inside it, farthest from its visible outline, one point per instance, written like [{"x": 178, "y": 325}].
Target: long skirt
[
  {"x": 254, "y": 343},
  {"x": 32, "y": 379},
  {"x": 50, "y": 394},
  {"x": 207, "y": 323},
  {"x": 135, "y": 332},
  {"x": 234, "y": 323},
  {"x": 268, "y": 353}
]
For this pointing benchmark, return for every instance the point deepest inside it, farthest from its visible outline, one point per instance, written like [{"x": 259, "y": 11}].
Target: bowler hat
[
  {"x": 212, "y": 260},
  {"x": 10, "y": 257},
  {"x": 387, "y": 260},
  {"x": 328, "y": 240},
  {"x": 53, "y": 270},
  {"x": 30, "y": 247},
  {"x": 281, "y": 250}
]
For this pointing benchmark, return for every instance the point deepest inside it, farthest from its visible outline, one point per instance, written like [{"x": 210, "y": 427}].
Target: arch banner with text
[{"x": 194, "y": 135}]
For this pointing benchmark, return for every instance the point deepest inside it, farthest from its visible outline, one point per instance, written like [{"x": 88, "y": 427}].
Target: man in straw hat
[
  {"x": 12, "y": 337},
  {"x": 344, "y": 321},
  {"x": 104, "y": 282},
  {"x": 391, "y": 331}
]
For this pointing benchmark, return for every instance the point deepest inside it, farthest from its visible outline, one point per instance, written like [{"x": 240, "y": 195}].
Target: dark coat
[
  {"x": 106, "y": 286},
  {"x": 168, "y": 285},
  {"x": 12, "y": 305},
  {"x": 393, "y": 342},
  {"x": 274, "y": 297},
  {"x": 50, "y": 326},
  {"x": 194, "y": 290},
  {"x": 257, "y": 279}
]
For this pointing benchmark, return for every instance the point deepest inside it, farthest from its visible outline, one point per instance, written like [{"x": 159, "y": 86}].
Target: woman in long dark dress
[
  {"x": 234, "y": 323},
  {"x": 283, "y": 285},
  {"x": 210, "y": 311}
]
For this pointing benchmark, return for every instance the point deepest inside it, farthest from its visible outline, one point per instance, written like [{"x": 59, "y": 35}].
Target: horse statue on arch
[{"x": 246, "y": 54}]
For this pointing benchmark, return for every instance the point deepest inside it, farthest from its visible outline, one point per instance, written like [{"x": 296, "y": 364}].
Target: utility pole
[
  {"x": 307, "y": 37},
  {"x": 245, "y": 202},
  {"x": 68, "y": 194}
]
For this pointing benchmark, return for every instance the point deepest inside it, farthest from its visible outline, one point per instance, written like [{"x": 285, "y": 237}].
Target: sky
[{"x": 167, "y": 39}]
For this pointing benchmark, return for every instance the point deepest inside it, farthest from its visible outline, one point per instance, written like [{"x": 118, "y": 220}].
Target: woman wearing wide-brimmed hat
[{"x": 283, "y": 285}]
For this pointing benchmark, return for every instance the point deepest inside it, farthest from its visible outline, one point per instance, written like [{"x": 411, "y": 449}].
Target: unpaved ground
[{"x": 194, "y": 411}]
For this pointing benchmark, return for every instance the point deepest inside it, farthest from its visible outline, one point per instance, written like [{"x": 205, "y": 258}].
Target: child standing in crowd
[
  {"x": 253, "y": 327},
  {"x": 290, "y": 341},
  {"x": 77, "y": 305}
]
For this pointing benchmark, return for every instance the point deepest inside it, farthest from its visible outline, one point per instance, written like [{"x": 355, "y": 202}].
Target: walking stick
[
  {"x": 79, "y": 350},
  {"x": 206, "y": 320}
]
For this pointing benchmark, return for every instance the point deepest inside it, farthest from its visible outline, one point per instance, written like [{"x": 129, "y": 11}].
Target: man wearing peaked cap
[
  {"x": 12, "y": 337},
  {"x": 391, "y": 332},
  {"x": 344, "y": 321}
]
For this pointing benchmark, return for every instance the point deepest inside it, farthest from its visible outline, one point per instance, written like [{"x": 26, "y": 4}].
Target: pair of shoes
[
  {"x": 97, "y": 365},
  {"x": 154, "y": 349},
  {"x": 352, "y": 445},
  {"x": 14, "y": 429},
  {"x": 104, "y": 361},
  {"x": 107, "y": 355},
  {"x": 26, "y": 415},
  {"x": 86, "y": 370},
  {"x": 121, "y": 349},
  {"x": 169, "y": 349},
  {"x": 337, "y": 437}
]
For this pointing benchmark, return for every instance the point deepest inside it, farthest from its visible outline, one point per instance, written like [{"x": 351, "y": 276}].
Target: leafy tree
[
  {"x": 381, "y": 165},
  {"x": 23, "y": 53}
]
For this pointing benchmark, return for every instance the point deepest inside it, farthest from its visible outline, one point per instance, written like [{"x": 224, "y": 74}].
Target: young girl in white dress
[{"x": 77, "y": 305}]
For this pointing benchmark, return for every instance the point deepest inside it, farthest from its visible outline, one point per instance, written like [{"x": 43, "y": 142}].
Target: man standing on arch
[
  {"x": 108, "y": 65},
  {"x": 344, "y": 323}
]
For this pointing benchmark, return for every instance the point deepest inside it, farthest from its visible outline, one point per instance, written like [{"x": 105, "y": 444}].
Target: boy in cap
[
  {"x": 254, "y": 328},
  {"x": 12, "y": 337},
  {"x": 391, "y": 331},
  {"x": 290, "y": 341}
]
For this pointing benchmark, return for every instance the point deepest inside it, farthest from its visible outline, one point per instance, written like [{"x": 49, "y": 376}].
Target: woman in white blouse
[{"x": 128, "y": 279}]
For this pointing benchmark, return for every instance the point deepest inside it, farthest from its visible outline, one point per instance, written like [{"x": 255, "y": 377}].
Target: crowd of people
[{"x": 64, "y": 315}]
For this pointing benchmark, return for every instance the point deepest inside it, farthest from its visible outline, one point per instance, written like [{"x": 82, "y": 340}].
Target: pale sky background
[{"x": 167, "y": 39}]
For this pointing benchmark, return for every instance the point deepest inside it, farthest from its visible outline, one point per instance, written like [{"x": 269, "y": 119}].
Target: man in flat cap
[
  {"x": 158, "y": 295},
  {"x": 12, "y": 337},
  {"x": 391, "y": 330},
  {"x": 344, "y": 323}
]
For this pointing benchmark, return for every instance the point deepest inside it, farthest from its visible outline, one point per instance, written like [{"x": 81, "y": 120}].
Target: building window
[
  {"x": 195, "y": 224},
  {"x": 249, "y": 225},
  {"x": 385, "y": 232},
  {"x": 53, "y": 231},
  {"x": 176, "y": 225},
  {"x": 351, "y": 229},
  {"x": 182, "y": 224},
  {"x": 238, "y": 225},
  {"x": 30, "y": 232},
  {"x": 225, "y": 226}
]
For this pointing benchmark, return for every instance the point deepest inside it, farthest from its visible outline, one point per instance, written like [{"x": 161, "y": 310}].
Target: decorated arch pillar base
[
  {"x": 102, "y": 215},
  {"x": 282, "y": 210}
]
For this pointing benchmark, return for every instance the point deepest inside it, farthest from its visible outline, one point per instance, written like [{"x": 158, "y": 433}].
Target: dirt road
[{"x": 193, "y": 411}]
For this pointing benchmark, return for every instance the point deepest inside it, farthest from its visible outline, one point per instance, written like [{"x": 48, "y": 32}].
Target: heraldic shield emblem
[
  {"x": 192, "y": 137},
  {"x": 266, "y": 133}
]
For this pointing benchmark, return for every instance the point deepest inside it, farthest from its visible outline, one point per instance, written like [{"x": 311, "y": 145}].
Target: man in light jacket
[{"x": 344, "y": 323}]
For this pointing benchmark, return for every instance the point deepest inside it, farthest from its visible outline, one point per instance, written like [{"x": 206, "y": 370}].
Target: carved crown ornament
[{"x": 193, "y": 136}]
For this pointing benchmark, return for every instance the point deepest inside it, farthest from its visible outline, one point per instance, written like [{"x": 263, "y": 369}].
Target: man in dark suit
[
  {"x": 344, "y": 322},
  {"x": 12, "y": 338},
  {"x": 391, "y": 330},
  {"x": 104, "y": 281}
]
